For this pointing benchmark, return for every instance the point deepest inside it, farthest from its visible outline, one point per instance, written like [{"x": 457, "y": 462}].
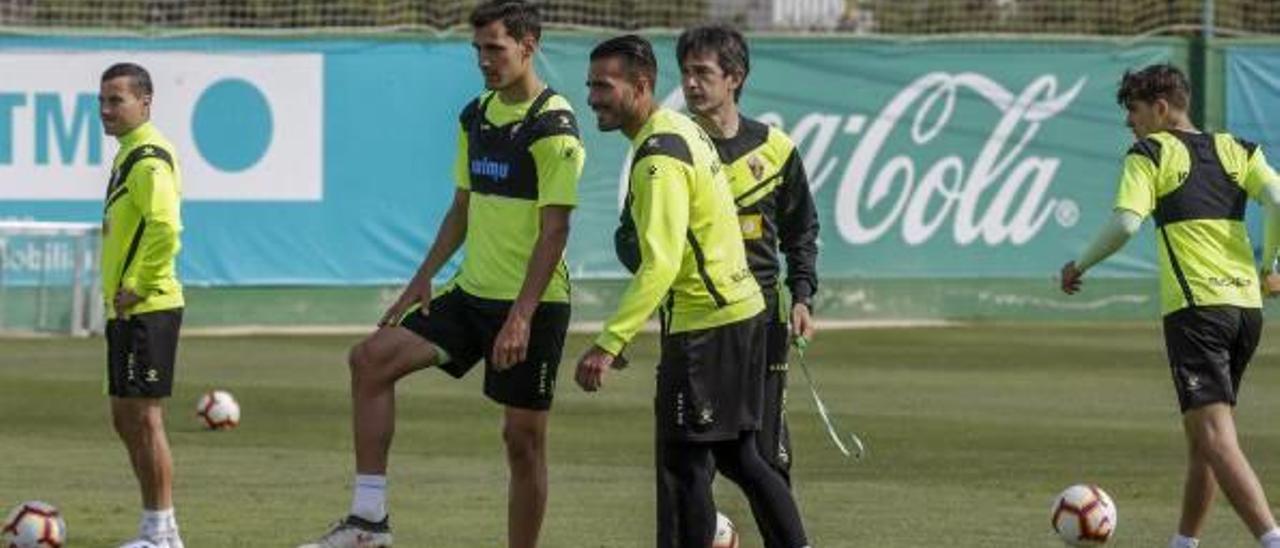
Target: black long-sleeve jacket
[{"x": 775, "y": 206}]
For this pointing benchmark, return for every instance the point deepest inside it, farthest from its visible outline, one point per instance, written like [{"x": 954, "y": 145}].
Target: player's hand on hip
[
  {"x": 512, "y": 345},
  {"x": 417, "y": 292},
  {"x": 802, "y": 324},
  {"x": 1070, "y": 278},
  {"x": 592, "y": 368},
  {"x": 124, "y": 301}
]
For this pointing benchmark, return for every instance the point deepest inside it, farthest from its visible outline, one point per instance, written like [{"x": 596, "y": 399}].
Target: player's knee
[
  {"x": 1212, "y": 435},
  {"x": 135, "y": 420},
  {"x": 524, "y": 443},
  {"x": 361, "y": 363},
  {"x": 1219, "y": 448},
  {"x": 731, "y": 470},
  {"x": 151, "y": 421},
  {"x": 1199, "y": 443}
]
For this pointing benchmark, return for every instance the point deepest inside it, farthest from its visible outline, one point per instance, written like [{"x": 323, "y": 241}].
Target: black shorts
[
  {"x": 711, "y": 382},
  {"x": 465, "y": 326},
  {"x": 1209, "y": 348},
  {"x": 141, "y": 352},
  {"x": 774, "y": 439}
]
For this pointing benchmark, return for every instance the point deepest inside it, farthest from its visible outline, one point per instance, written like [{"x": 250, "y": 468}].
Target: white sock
[
  {"x": 1270, "y": 539},
  {"x": 1179, "y": 541},
  {"x": 157, "y": 521},
  {"x": 370, "y": 499}
]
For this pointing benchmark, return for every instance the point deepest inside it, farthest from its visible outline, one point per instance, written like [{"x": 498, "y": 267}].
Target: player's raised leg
[{"x": 376, "y": 364}]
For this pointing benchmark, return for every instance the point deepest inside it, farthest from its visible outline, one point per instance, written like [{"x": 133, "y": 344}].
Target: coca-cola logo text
[{"x": 996, "y": 194}]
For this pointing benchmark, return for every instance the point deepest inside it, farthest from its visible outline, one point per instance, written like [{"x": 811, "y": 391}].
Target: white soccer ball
[
  {"x": 726, "y": 534},
  {"x": 217, "y": 410},
  {"x": 34, "y": 524},
  {"x": 139, "y": 544},
  {"x": 1083, "y": 515}
]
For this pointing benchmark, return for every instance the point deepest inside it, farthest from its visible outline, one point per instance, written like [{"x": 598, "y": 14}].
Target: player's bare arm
[
  {"x": 453, "y": 231},
  {"x": 513, "y": 340}
]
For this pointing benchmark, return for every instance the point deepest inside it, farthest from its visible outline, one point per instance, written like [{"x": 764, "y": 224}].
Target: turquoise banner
[
  {"x": 936, "y": 159},
  {"x": 1253, "y": 95},
  {"x": 326, "y": 162}
]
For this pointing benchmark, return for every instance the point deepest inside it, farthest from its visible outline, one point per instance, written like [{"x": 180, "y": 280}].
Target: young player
[{"x": 1195, "y": 185}]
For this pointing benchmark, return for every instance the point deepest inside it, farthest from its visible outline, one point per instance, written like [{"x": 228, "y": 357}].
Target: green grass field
[{"x": 972, "y": 431}]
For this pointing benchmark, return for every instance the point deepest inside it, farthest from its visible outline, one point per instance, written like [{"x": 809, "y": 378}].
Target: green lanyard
[{"x": 859, "y": 449}]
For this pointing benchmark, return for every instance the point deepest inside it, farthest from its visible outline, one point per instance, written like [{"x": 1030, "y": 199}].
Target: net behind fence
[
  {"x": 49, "y": 277},
  {"x": 914, "y": 17}
]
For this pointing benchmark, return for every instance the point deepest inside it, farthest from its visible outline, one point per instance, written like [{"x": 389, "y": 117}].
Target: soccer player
[
  {"x": 140, "y": 241},
  {"x": 688, "y": 259},
  {"x": 1196, "y": 185},
  {"x": 775, "y": 207},
  {"x": 518, "y": 163}
]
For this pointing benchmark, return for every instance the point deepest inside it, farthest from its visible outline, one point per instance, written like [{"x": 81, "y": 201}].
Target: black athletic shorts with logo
[
  {"x": 465, "y": 327},
  {"x": 141, "y": 352},
  {"x": 710, "y": 382},
  {"x": 1209, "y": 349}
]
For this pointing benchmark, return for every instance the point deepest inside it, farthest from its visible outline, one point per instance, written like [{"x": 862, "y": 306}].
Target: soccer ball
[
  {"x": 139, "y": 544},
  {"x": 34, "y": 524},
  {"x": 726, "y": 534},
  {"x": 218, "y": 410},
  {"x": 1084, "y": 515}
]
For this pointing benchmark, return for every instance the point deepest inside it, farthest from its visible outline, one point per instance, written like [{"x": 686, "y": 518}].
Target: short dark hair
[
  {"x": 521, "y": 18},
  {"x": 636, "y": 54},
  {"x": 725, "y": 41},
  {"x": 141, "y": 79},
  {"x": 1161, "y": 81}
]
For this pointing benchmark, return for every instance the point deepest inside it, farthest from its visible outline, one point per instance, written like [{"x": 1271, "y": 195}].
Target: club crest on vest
[{"x": 756, "y": 166}]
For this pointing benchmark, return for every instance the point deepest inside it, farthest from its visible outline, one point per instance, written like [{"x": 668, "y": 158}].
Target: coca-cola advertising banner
[
  {"x": 933, "y": 159},
  {"x": 927, "y": 159}
]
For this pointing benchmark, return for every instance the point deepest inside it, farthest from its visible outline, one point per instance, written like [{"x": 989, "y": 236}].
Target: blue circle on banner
[{"x": 232, "y": 124}]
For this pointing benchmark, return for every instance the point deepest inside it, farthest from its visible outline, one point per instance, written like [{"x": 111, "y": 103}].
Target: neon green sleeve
[
  {"x": 1114, "y": 234},
  {"x": 1258, "y": 174},
  {"x": 660, "y": 208},
  {"x": 154, "y": 191},
  {"x": 1263, "y": 185},
  {"x": 1137, "y": 191},
  {"x": 559, "y": 160},
  {"x": 461, "y": 172}
]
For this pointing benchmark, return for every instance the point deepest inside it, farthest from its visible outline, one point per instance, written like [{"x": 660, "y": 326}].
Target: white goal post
[{"x": 49, "y": 277}]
